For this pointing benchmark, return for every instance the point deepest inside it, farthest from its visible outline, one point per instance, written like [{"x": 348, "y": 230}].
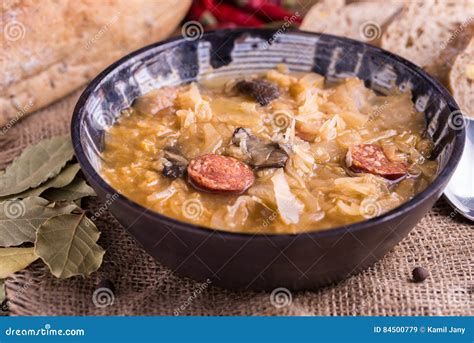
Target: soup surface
[{"x": 277, "y": 152}]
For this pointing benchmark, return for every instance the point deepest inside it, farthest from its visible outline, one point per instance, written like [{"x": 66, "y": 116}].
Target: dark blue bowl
[{"x": 233, "y": 260}]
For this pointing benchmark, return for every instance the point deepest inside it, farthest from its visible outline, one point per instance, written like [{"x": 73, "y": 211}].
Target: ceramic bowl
[{"x": 249, "y": 261}]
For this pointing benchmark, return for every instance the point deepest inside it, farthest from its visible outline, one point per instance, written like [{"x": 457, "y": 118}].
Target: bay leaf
[
  {"x": 36, "y": 164},
  {"x": 64, "y": 178},
  {"x": 15, "y": 259},
  {"x": 19, "y": 219},
  {"x": 77, "y": 189},
  {"x": 68, "y": 245}
]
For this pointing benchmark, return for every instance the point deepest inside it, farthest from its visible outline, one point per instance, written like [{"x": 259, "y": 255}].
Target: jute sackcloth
[{"x": 442, "y": 243}]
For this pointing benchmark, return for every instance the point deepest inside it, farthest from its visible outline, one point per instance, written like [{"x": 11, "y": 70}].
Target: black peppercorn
[{"x": 419, "y": 274}]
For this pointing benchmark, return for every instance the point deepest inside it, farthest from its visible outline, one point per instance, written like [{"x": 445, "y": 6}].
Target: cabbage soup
[{"x": 277, "y": 152}]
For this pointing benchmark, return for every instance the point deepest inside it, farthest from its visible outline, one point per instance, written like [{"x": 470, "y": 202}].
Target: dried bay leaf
[
  {"x": 36, "y": 164},
  {"x": 15, "y": 259},
  {"x": 20, "y": 219},
  {"x": 67, "y": 244},
  {"x": 64, "y": 178},
  {"x": 77, "y": 189}
]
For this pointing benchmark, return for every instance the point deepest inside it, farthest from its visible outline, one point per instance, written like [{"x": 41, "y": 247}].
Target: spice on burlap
[
  {"x": 442, "y": 243},
  {"x": 419, "y": 274}
]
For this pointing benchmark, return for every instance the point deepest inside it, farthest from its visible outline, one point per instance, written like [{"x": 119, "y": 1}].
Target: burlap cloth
[{"x": 442, "y": 243}]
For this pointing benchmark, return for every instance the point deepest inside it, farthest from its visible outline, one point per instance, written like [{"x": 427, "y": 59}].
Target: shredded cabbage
[
  {"x": 163, "y": 195},
  {"x": 289, "y": 207}
]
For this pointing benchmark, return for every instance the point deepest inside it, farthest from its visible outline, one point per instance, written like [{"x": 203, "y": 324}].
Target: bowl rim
[{"x": 418, "y": 199}]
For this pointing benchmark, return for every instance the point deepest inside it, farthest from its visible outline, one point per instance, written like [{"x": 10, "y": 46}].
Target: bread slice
[
  {"x": 425, "y": 28},
  {"x": 360, "y": 20},
  {"x": 458, "y": 42},
  {"x": 461, "y": 80},
  {"x": 321, "y": 15},
  {"x": 50, "y": 48}
]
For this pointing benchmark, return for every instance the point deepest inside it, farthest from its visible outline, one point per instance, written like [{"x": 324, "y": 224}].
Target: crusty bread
[
  {"x": 457, "y": 43},
  {"x": 49, "y": 48},
  {"x": 425, "y": 28},
  {"x": 461, "y": 80},
  {"x": 359, "y": 20},
  {"x": 320, "y": 18}
]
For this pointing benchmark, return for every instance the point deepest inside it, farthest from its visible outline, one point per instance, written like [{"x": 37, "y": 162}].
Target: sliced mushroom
[
  {"x": 173, "y": 171},
  {"x": 262, "y": 91},
  {"x": 261, "y": 154},
  {"x": 175, "y": 165}
]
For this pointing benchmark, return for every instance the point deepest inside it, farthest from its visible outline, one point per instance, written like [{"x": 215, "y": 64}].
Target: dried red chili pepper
[
  {"x": 227, "y": 13},
  {"x": 208, "y": 4},
  {"x": 200, "y": 13},
  {"x": 267, "y": 10},
  {"x": 274, "y": 12},
  {"x": 226, "y": 26}
]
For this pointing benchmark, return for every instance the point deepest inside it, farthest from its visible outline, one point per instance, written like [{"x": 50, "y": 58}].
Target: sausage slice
[
  {"x": 369, "y": 158},
  {"x": 216, "y": 173}
]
